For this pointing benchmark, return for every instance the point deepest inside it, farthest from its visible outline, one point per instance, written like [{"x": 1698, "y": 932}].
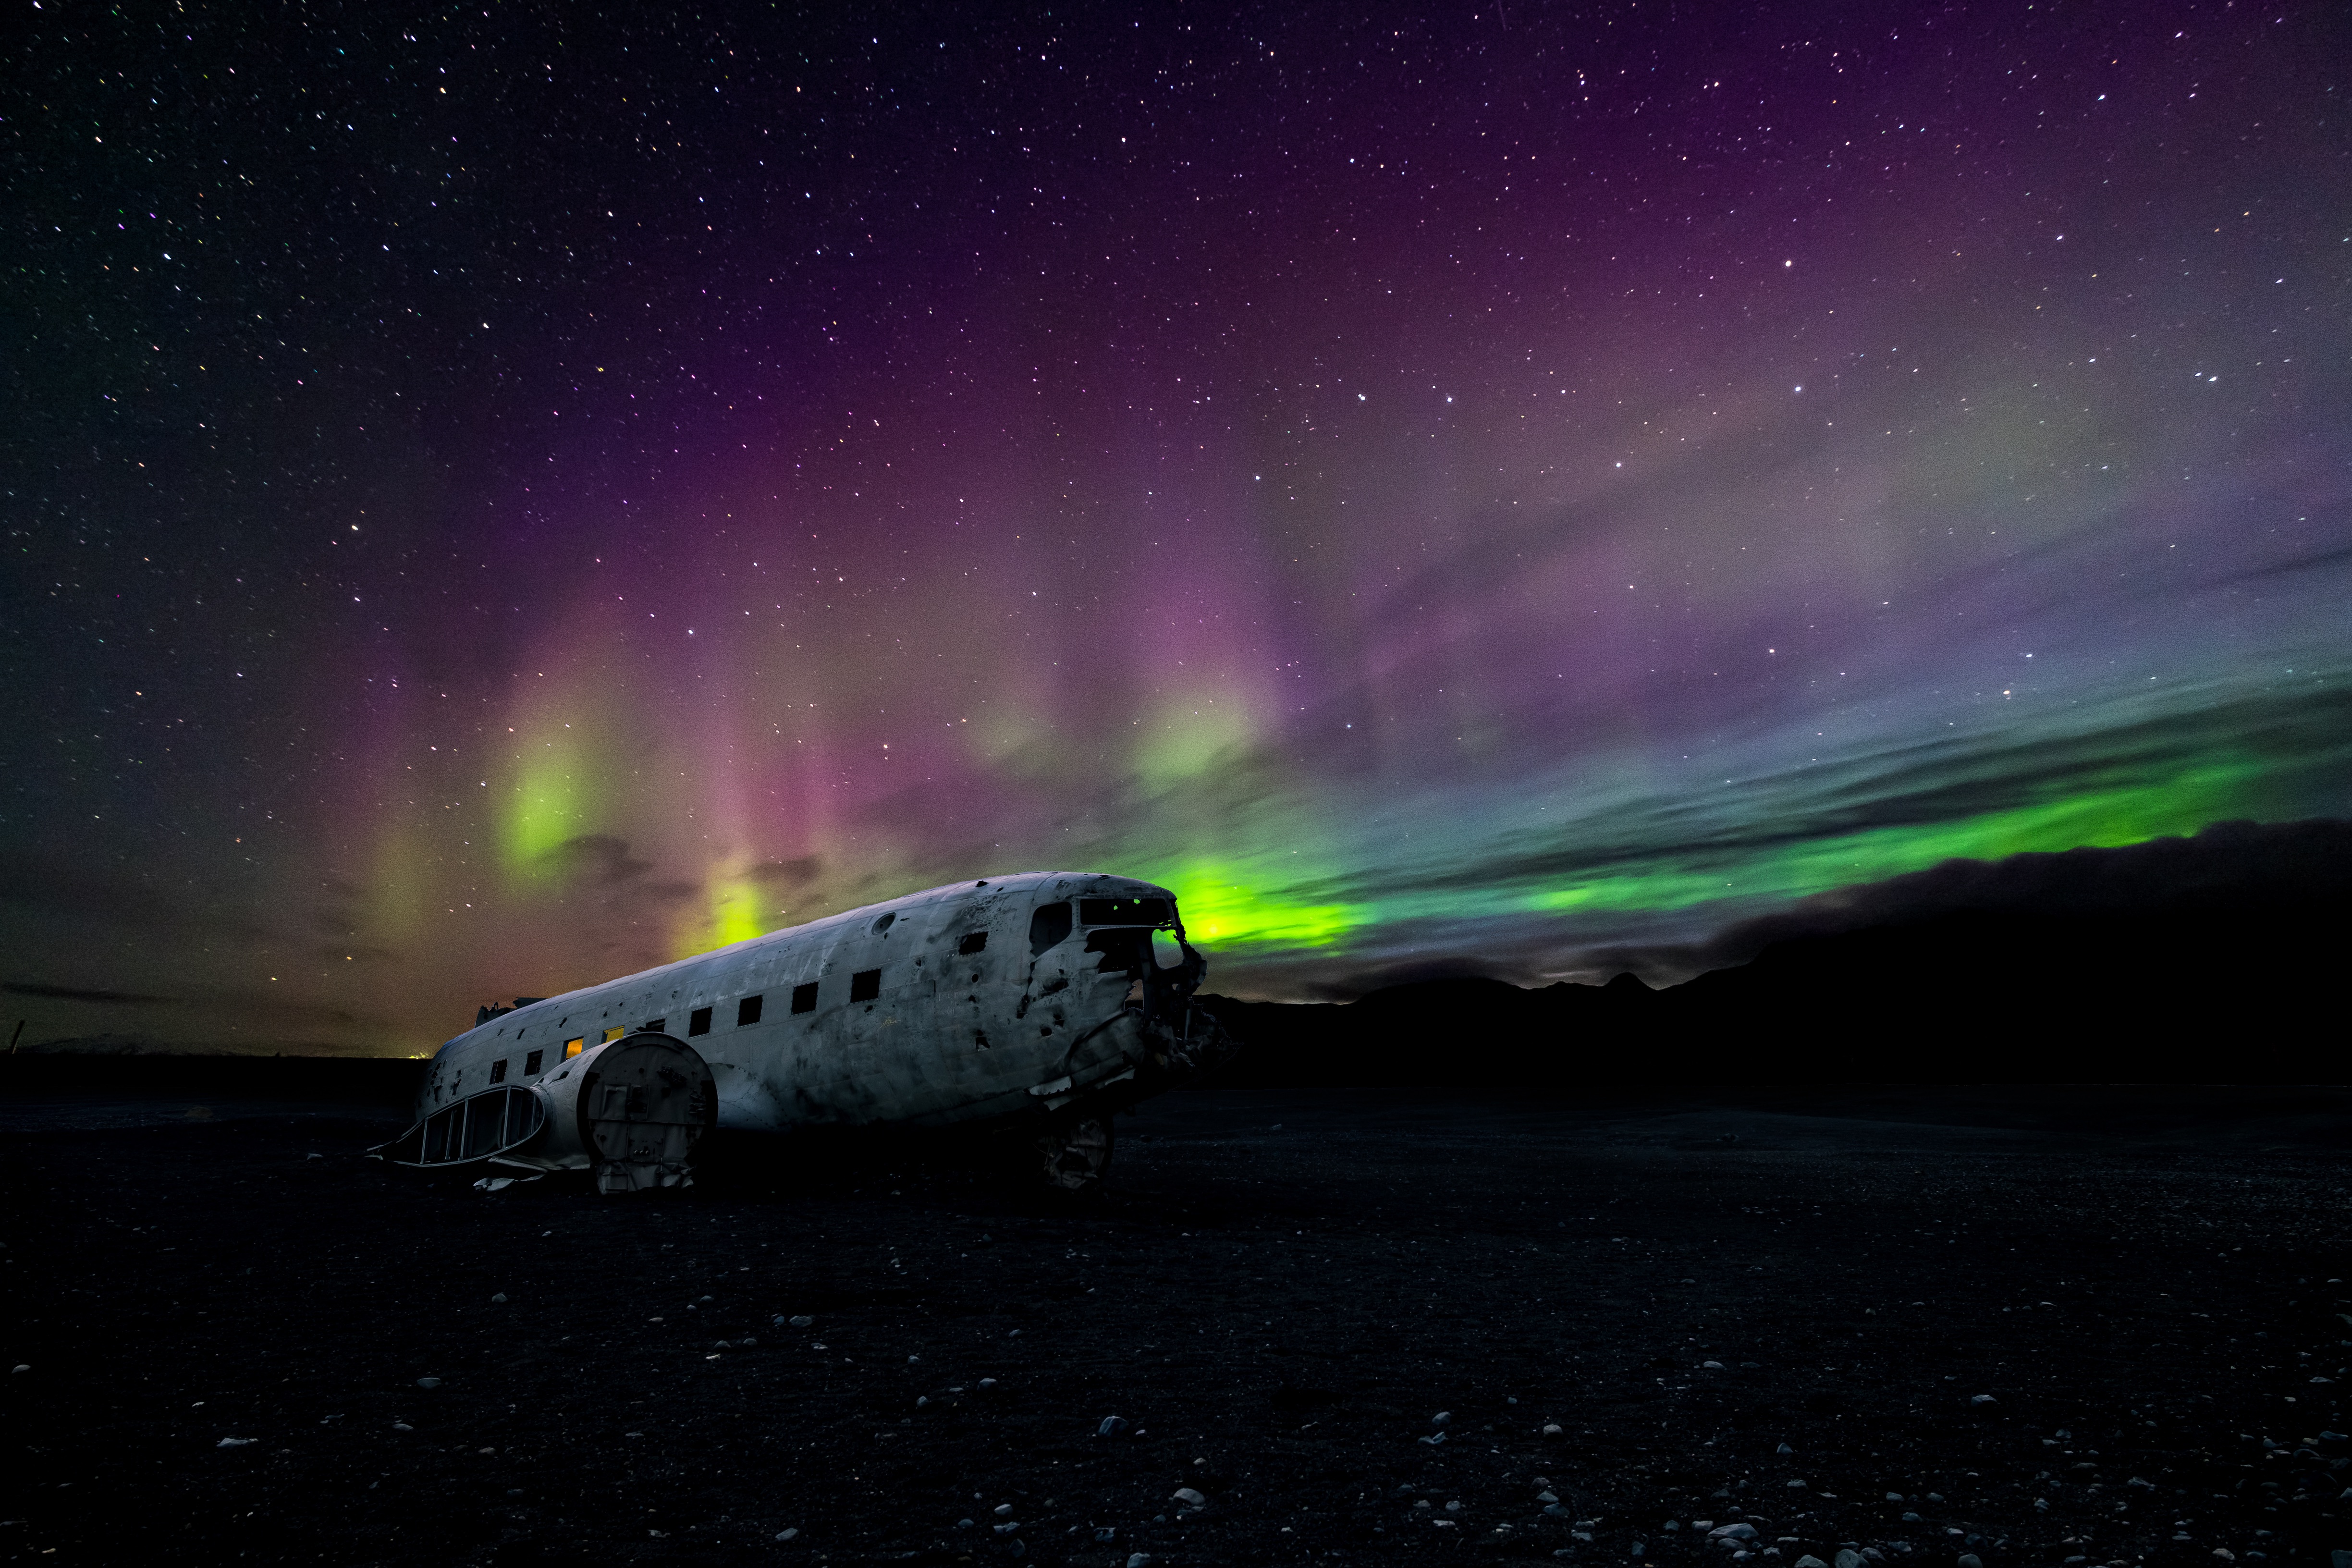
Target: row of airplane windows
[{"x": 863, "y": 986}]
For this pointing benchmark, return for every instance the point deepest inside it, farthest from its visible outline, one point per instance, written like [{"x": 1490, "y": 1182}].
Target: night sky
[{"x": 497, "y": 497}]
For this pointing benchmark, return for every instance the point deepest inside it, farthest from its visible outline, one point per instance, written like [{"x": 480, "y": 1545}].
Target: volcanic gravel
[{"x": 2042, "y": 1327}]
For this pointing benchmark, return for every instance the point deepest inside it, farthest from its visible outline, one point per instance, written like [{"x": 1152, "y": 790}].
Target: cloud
[
  {"x": 75, "y": 994},
  {"x": 797, "y": 873},
  {"x": 66, "y": 885},
  {"x": 598, "y": 859}
]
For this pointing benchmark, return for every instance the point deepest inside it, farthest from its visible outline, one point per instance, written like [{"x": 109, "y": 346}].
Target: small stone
[
  {"x": 1980, "y": 1399},
  {"x": 746, "y": 1342},
  {"x": 402, "y": 1426},
  {"x": 1798, "y": 1484},
  {"x": 788, "y": 1534},
  {"x": 1453, "y": 1508},
  {"x": 1555, "y": 1511},
  {"x": 499, "y": 1299},
  {"x": 1188, "y": 1498},
  {"x": 1968, "y": 1559},
  {"x": 1784, "y": 1448},
  {"x": 963, "y": 1524},
  {"x": 1007, "y": 1528},
  {"x": 705, "y": 1300},
  {"x": 723, "y": 1345},
  {"x": 1809, "y": 1560},
  {"x": 1910, "y": 1518},
  {"x": 1673, "y": 1525},
  {"x": 1895, "y": 1496},
  {"x": 1935, "y": 1497},
  {"x": 922, "y": 1400},
  {"x": 428, "y": 1382},
  {"x": 988, "y": 1383},
  {"x": 1112, "y": 1426},
  {"x": 1434, "y": 1439},
  {"x": 1551, "y": 1429},
  {"x": 1002, "y": 1509},
  {"x": 1441, "y": 1418},
  {"x": 237, "y": 1442},
  {"x": 802, "y": 1321},
  {"x": 1107, "y": 1532},
  {"x": 1741, "y": 1531},
  {"x": 1712, "y": 1365},
  {"x": 1548, "y": 1496},
  {"x": 20, "y": 1366},
  {"x": 1849, "y": 1559},
  {"x": 1139, "y": 1560}
]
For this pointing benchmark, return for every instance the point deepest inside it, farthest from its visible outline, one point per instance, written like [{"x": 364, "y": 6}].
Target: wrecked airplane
[{"x": 1038, "y": 1004}]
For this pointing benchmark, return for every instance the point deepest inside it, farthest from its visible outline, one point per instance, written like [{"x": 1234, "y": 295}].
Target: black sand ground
[{"x": 2064, "y": 1325}]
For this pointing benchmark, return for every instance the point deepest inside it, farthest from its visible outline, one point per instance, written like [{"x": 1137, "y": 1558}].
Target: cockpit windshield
[{"x": 1125, "y": 912}]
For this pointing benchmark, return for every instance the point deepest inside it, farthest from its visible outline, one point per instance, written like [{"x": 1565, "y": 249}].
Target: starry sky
[{"x": 496, "y": 497}]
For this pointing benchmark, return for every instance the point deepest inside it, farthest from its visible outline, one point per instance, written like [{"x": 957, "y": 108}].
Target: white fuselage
[{"x": 962, "y": 1004}]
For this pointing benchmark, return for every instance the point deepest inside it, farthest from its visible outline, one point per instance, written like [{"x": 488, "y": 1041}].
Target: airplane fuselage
[{"x": 1033, "y": 996}]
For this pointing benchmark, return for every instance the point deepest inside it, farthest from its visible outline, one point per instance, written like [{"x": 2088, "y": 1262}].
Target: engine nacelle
[{"x": 631, "y": 1111}]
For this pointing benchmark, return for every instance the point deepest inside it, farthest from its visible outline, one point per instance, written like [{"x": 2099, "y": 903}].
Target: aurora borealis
[{"x": 497, "y": 498}]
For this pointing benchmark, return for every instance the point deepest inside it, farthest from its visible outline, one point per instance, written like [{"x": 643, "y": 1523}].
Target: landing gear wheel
[{"x": 1076, "y": 1156}]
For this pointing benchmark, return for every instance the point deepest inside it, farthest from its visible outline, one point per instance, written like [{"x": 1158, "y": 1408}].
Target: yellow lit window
[
  {"x": 572, "y": 1047},
  {"x": 612, "y": 1034}
]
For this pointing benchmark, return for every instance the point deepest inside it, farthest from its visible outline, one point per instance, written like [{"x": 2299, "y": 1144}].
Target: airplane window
[
  {"x": 804, "y": 997},
  {"x": 612, "y": 1035},
  {"x": 498, "y": 1070},
  {"x": 747, "y": 1011},
  {"x": 972, "y": 943},
  {"x": 572, "y": 1047},
  {"x": 699, "y": 1021},
  {"x": 1047, "y": 927},
  {"x": 864, "y": 986},
  {"x": 1165, "y": 950},
  {"x": 530, "y": 1063},
  {"x": 1123, "y": 911},
  {"x": 884, "y": 923}
]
